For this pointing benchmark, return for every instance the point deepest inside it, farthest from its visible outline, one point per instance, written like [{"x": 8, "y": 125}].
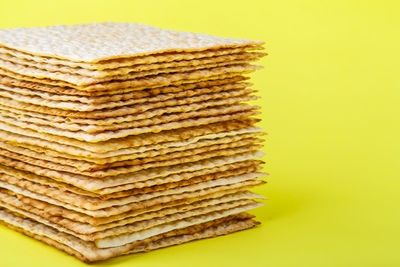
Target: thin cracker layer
[
  {"x": 68, "y": 244},
  {"x": 96, "y": 42}
]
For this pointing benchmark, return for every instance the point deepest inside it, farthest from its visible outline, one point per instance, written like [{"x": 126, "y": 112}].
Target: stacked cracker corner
[{"x": 118, "y": 138}]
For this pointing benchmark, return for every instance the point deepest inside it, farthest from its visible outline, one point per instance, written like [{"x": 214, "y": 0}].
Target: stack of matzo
[{"x": 118, "y": 138}]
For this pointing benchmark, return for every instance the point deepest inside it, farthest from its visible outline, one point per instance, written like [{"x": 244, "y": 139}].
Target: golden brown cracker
[
  {"x": 79, "y": 164},
  {"x": 13, "y": 134},
  {"x": 134, "y": 97},
  {"x": 122, "y": 182},
  {"x": 103, "y": 208},
  {"x": 46, "y": 234},
  {"x": 244, "y": 56},
  {"x": 154, "y": 81},
  {"x": 210, "y": 115},
  {"x": 15, "y": 177}
]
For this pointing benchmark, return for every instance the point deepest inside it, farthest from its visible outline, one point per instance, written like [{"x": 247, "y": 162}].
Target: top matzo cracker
[{"x": 101, "y": 41}]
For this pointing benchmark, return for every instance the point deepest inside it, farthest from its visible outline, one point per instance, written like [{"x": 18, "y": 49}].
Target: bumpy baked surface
[{"x": 99, "y": 41}]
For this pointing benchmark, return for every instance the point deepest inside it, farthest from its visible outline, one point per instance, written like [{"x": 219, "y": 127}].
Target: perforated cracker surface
[{"x": 99, "y": 41}]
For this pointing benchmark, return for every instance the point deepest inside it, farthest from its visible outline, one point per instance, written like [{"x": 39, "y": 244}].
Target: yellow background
[{"x": 331, "y": 93}]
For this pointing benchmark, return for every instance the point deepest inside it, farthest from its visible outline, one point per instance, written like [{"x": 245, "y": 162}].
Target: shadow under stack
[{"x": 118, "y": 138}]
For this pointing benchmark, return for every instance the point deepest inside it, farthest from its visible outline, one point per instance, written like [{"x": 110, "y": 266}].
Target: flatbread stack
[{"x": 118, "y": 138}]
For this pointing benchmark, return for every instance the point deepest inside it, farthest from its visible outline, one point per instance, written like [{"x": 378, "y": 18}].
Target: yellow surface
[{"x": 330, "y": 102}]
